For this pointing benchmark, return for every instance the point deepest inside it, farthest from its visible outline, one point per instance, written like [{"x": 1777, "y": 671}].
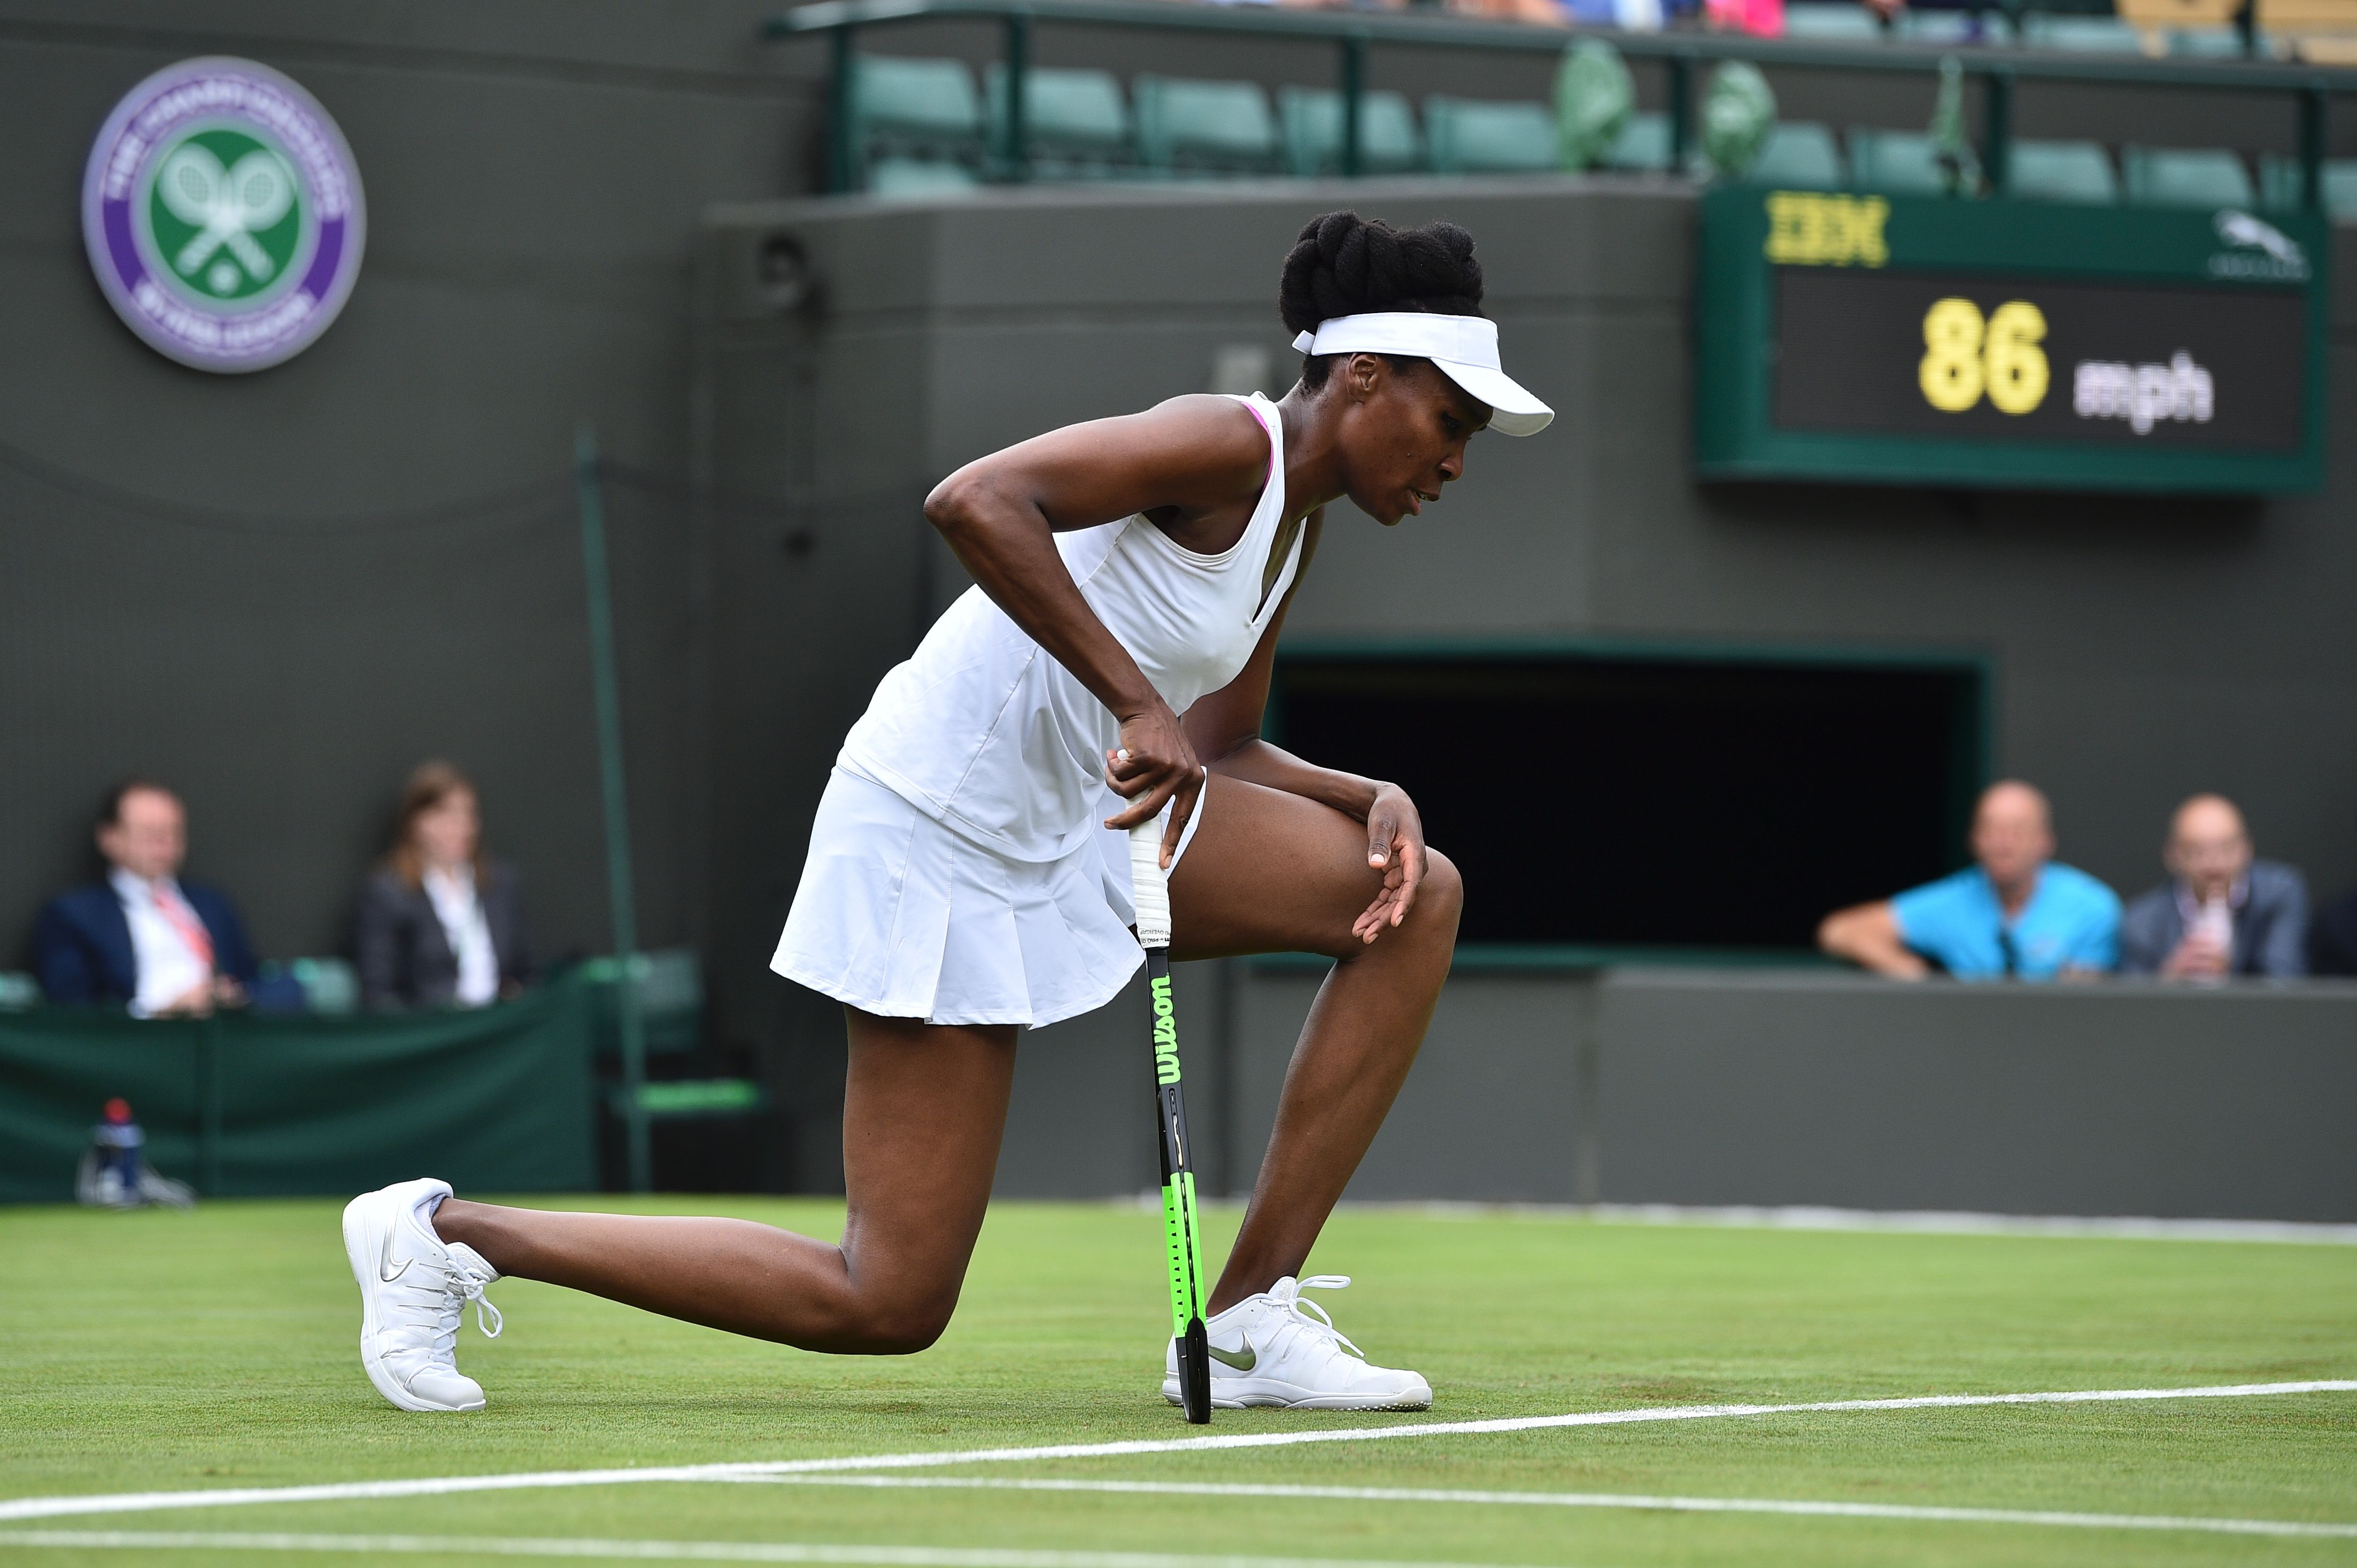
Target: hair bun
[{"x": 1344, "y": 264}]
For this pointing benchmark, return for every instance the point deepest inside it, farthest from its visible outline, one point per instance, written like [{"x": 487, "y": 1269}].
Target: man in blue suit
[{"x": 142, "y": 937}]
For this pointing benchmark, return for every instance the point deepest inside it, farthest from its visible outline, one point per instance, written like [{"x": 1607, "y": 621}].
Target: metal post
[
  {"x": 1019, "y": 75},
  {"x": 1681, "y": 108},
  {"x": 1587, "y": 1089},
  {"x": 621, "y": 894},
  {"x": 1996, "y": 126},
  {"x": 2312, "y": 103},
  {"x": 1354, "y": 95},
  {"x": 209, "y": 1104},
  {"x": 842, "y": 113}
]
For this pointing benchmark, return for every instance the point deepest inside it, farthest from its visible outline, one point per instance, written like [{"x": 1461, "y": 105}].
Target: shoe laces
[
  {"x": 460, "y": 1284},
  {"x": 467, "y": 1285},
  {"x": 1299, "y": 1312}
]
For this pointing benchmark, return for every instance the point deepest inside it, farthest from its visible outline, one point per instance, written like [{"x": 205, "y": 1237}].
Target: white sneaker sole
[
  {"x": 366, "y": 1225},
  {"x": 1267, "y": 1393}
]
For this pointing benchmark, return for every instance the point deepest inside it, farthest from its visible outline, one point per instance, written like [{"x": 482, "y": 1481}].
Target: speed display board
[{"x": 1894, "y": 339}]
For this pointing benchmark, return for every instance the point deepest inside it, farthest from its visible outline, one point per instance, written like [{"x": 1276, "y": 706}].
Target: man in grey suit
[{"x": 2222, "y": 912}]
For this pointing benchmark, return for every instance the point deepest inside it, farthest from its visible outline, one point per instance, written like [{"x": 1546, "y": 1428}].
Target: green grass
[{"x": 163, "y": 1351}]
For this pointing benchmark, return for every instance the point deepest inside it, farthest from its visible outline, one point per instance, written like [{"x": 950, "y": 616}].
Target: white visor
[{"x": 1464, "y": 347}]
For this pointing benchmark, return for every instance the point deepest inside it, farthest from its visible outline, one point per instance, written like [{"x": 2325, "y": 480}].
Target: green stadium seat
[
  {"x": 925, "y": 110},
  {"x": 2179, "y": 177},
  {"x": 917, "y": 180},
  {"x": 916, "y": 104},
  {"x": 666, "y": 1099},
  {"x": 1952, "y": 27},
  {"x": 1821, "y": 22},
  {"x": 1204, "y": 127},
  {"x": 1471, "y": 135},
  {"x": 1895, "y": 162},
  {"x": 1312, "y": 120},
  {"x": 18, "y": 991},
  {"x": 1075, "y": 123},
  {"x": 2207, "y": 43},
  {"x": 670, "y": 1000},
  {"x": 2079, "y": 34},
  {"x": 329, "y": 984},
  {"x": 2062, "y": 171},
  {"x": 2340, "y": 188},
  {"x": 2280, "y": 185},
  {"x": 1799, "y": 155},
  {"x": 1644, "y": 145}
]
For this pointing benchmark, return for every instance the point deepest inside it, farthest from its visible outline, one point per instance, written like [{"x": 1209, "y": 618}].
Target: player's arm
[
  {"x": 1868, "y": 936},
  {"x": 1000, "y": 514},
  {"x": 1224, "y": 726}
]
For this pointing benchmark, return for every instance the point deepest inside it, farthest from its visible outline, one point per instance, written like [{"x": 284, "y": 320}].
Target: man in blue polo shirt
[{"x": 2014, "y": 914}]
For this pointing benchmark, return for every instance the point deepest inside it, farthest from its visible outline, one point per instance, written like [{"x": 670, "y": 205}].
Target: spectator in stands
[
  {"x": 440, "y": 923},
  {"x": 1760, "y": 18},
  {"x": 144, "y": 938},
  {"x": 2221, "y": 912},
  {"x": 1545, "y": 13},
  {"x": 2016, "y": 913}
]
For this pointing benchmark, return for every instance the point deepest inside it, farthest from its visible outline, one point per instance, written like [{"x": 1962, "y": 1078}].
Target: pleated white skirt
[{"x": 900, "y": 916}]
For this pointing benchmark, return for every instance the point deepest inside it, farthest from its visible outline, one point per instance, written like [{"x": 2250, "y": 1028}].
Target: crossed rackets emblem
[{"x": 227, "y": 205}]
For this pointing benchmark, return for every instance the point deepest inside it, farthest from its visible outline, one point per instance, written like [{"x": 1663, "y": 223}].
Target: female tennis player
[{"x": 969, "y": 867}]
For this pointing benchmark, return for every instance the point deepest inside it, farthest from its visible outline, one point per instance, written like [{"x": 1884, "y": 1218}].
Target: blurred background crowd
[{"x": 436, "y": 923}]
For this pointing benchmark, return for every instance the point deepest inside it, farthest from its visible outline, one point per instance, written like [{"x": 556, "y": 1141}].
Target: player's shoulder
[
  {"x": 1202, "y": 449},
  {"x": 1225, "y": 427}
]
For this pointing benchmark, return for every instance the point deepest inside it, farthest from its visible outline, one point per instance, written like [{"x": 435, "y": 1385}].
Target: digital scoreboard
[{"x": 2015, "y": 345}]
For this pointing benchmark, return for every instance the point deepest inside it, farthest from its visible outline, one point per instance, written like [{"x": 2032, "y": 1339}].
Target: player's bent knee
[
  {"x": 904, "y": 1329},
  {"x": 1439, "y": 898}
]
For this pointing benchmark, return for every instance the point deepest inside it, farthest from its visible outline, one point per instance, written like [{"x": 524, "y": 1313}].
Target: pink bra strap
[{"x": 1266, "y": 430}]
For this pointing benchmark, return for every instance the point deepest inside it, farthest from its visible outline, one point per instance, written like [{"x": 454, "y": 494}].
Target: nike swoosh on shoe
[
  {"x": 1242, "y": 1360},
  {"x": 384, "y": 1269}
]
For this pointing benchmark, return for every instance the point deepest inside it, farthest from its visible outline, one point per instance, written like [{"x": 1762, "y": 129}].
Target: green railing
[{"x": 1353, "y": 34}]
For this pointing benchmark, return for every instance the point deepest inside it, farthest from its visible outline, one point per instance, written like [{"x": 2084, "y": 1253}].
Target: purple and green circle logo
[{"x": 222, "y": 212}]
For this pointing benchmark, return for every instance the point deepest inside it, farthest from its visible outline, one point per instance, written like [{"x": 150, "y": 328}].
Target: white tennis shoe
[
  {"x": 1280, "y": 1350},
  {"x": 415, "y": 1288}
]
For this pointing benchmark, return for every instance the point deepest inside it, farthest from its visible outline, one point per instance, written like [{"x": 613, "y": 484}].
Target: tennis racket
[{"x": 1181, "y": 1232}]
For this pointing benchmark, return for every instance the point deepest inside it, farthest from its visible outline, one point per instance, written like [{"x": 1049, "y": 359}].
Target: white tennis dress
[{"x": 960, "y": 871}]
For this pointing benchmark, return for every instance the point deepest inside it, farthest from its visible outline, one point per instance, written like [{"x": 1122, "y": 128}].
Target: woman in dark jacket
[{"x": 439, "y": 923}]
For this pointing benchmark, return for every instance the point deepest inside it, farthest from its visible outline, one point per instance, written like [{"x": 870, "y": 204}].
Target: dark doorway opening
[{"x": 1660, "y": 801}]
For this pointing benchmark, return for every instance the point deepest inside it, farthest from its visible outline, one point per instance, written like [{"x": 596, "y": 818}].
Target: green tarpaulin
[{"x": 248, "y": 1105}]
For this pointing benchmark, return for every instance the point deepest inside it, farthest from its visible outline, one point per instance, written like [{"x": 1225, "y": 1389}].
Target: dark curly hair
[{"x": 1344, "y": 264}]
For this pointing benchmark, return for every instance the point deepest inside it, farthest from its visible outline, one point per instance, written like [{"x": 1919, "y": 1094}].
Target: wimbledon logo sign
[{"x": 222, "y": 212}]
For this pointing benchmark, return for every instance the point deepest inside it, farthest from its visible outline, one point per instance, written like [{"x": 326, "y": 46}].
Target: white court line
[
  {"x": 2333, "y": 1532},
  {"x": 662, "y": 1551},
  {"x": 1950, "y": 1222},
  {"x": 437, "y": 1485}
]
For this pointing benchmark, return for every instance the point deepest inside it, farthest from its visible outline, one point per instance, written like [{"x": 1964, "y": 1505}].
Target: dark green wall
[
  {"x": 271, "y": 590},
  {"x": 278, "y": 591}
]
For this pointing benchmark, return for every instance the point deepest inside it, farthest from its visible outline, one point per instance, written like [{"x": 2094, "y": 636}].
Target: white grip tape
[{"x": 1148, "y": 887}]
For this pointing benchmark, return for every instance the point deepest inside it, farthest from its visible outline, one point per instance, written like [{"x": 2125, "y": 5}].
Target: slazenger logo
[
  {"x": 1166, "y": 1033},
  {"x": 2277, "y": 255}
]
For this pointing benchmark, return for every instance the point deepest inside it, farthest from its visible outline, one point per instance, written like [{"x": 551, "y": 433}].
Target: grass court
[{"x": 167, "y": 1352}]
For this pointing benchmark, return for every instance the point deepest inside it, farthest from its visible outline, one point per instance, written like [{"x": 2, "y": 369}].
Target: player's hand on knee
[
  {"x": 1156, "y": 763},
  {"x": 1395, "y": 847}
]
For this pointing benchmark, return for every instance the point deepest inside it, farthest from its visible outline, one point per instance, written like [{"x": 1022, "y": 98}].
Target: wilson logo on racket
[{"x": 1166, "y": 1033}]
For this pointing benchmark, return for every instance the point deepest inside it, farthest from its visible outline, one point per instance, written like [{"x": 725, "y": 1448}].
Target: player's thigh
[
  {"x": 1269, "y": 872},
  {"x": 924, "y": 1107}
]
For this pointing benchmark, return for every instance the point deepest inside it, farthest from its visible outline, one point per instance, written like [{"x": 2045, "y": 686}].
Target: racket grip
[{"x": 1148, "y": 888}]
